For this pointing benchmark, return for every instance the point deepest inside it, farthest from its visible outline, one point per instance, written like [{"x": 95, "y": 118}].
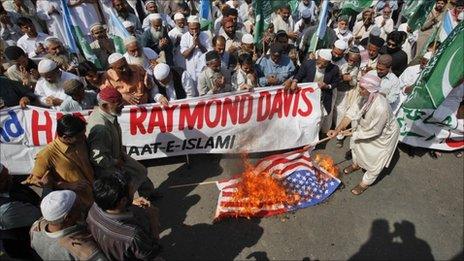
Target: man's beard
[
  {"x": 137, "y": 60},
  {"x": 157, "y": 34}
]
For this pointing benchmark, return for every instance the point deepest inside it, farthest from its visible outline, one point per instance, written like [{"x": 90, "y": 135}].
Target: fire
[
  {"x": 256, "y": 190},
  {"x": 327, "y": 163}
]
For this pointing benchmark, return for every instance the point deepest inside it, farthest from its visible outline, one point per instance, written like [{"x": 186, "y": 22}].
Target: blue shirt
[{"x": 283, "y": 70}]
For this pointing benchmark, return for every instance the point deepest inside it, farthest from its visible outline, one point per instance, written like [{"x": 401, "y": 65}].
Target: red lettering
[
  {"x": 307, "y": 101},
  {"x": 288, "y": 98},
  {"x": 296, "y": 103},
  {"x": 262, "y": 115},
  {"x": 196, "y": 116},
  {"x": 170, "y": 117},
  {"x": 244, "y": 114},
  {"x": 213, "y": 123},
  {"x": 136, "y": 120},
  {"x": 230, "y": 108},
  {"x": 276, "y": 105},
  {"x": 36, "y": 127},
  {"x": 156, "y": 119}
]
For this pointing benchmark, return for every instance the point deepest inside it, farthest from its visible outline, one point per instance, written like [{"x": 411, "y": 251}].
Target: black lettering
[
  {"x": 222, "y": 143},
  {"x": 232, "y": 142},
  {"x": 191, "y": 143},
  {"x": 146, "y": 149},
  {"x": 169, "y": 147},
  {"x": 134, "y": 150},
  {"x": 155, "y": 147},
  {"x": 210, "y": 143},
  {"x": 198, "y": 144}
]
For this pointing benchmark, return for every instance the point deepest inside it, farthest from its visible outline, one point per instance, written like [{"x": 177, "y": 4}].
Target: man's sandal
[
  {"x": 358, "y": 189},
  {"x": 350, "y": 169}
]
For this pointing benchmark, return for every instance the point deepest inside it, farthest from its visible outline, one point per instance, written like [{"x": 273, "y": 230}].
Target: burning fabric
[{"x": 278, "y": 184}]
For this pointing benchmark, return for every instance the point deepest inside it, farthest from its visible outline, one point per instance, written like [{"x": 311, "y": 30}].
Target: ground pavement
[{"x": 414, "y": 212}]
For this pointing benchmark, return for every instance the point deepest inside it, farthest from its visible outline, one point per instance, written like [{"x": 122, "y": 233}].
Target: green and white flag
[
  {"x": 263, "y": 10},
  {"x": 416, "y": 11},
  {"x": 428, "y": 117},
  {"x": 350, "y": 7}
]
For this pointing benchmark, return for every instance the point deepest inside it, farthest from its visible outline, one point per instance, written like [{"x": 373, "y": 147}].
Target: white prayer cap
[
  {"x": 178, "y": 16},
  {"x": 247, "y": 39},
  {"x": 161, "y": 71},
  {"x": 153, "y": 17},
  {"x": 95, "y": 26},
  {"x": 428, "y": 55},
  {"x": 325, "y": 54},
  {"x": 150, "y": 2},
  {"x": 52, "y": 39},
  {"x": 46, "y": 65},
  {"x": 193, "y": 19},
  {"x": 340, "y": 44},
  {"x": 306, "y": 13},
  {"x": 114, "y": 57},
  {"x": 129, "y": 40},
  {"x": 375, "y": 31},
  {"x": 127, "y": 24},
  {"x": 57, "y": 204}
]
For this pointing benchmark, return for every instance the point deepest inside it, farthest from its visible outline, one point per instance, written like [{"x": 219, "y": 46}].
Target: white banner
[{"x": 264, "y": 120}]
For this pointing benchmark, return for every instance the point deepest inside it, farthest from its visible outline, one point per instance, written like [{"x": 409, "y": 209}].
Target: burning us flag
[{"x": 277, "y": 184}]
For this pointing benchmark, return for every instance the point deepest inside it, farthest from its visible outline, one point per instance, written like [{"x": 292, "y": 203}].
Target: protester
[
  {"x": 23, "y": 70},
  {"x": 362, "y": 28},
  {"x": 32, "y": 41},
  {"x": 156, "y": 37},
  {"x": 58, "y": 235},
  {"x": 18, "y": 211},
  {"x": 326, "y": 75},
  {"x": 102, "y": 45},
  {"x": 49, "y": 87},
  {"x": 175, "y": 35},
  {"x": 64, "y": 163},
  {"x": 213, "y": 79},
  {"x": 138, "y": 55},
  {"x": 92, "y": 77},
  {"x": 168, "y": 85},
  {"x": 13, "y": 93},
  {"x": 275, "y": 67},
  {"x": 245, "y": 77},
  {"x": 393, "y": 47},
  {"x": 374, "y": 139},
  {"x": 433, "y": 20},
  {"x": 104, "y": 139},
  {"x": 57, "y": 53},
  {"x": 78, "y": 98},
  {"x": 389, "y": 85},
  {"x": 131, "y": 80},
  {"x": 342, "y": 31},
  {"x": 193, "y": 44},
  {"x": 125, "y": 228},
  {"x": 384, "y": 22}
]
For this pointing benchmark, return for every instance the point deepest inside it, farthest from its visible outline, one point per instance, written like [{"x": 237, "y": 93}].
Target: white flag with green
[{"x": 431, "y": 116}]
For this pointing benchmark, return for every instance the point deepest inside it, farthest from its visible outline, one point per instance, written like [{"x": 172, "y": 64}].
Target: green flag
[
  {"x": 263, "y": 10},
  {"x": 444, "y": 72},
  {"x": 416, "y": 11},
  {"x": 354, "y": 6},
  {"x": 85, "y": 47}
]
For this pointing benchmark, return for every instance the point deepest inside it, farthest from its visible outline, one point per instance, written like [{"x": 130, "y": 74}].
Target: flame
[
  {"x": 258, "y": 189},
  {"x": 327, "y": 163}
]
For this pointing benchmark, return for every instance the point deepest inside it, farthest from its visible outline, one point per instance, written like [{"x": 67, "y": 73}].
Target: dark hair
[
  {"x": 245, "y": 58},
  {"x": 216, "y": 38},
  {"x": 109, "y": 190},
  {"x": 69, "y": 125},
  {"x": 86, "y": 67},
  {"x": 231, "y": 11},
  {"x": 23, "y": 21},
  {"x": 397, "y": 37}
]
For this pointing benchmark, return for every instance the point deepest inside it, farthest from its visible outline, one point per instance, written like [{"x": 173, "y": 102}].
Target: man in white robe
[
  {"x": 410, "y": 76},
  {"x": 143, "y": 56},
  {"x": 375, "y": 135},
  {"x": 175, "y": 35},
  {"x": 84, "y": 14},
  {"x": 50, "y": 12}
]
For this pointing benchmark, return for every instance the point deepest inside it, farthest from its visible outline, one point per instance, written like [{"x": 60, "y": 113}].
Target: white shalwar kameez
[
  {"x": 54, "y": 21},
  {"x": 375, "y": 137},
  {"x": 84, "y": 15}
]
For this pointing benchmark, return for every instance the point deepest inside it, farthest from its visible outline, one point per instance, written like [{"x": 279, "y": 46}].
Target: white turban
[
  {"x": 193, "y": 19},
  {"x": 57, "y": 204},
  {"x": 178, "y": 16},
  {"x": 127, "y": 24},
  {"x": 129, "y": 40},
  {"x": 114, "y": 58},
  {"x": 428, "y": 55},
  {"x": 150, "y": 2},
  {"x": 340, "y": 44},
  {"x": 153, "y": 17},
  {"x": 247, "y": 39},
  {"x": 325, "y": 54},
  {"x": 306, "y": 13},
  {"x": 161, "y": 71},
  {"x": 46, "y": 65}
]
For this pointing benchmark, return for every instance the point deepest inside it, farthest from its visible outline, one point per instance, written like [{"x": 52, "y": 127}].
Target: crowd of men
[{"x": 366, "y": 66}]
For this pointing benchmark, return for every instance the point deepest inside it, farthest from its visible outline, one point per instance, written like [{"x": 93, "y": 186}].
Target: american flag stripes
[{"x": 295, "y": 171}]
